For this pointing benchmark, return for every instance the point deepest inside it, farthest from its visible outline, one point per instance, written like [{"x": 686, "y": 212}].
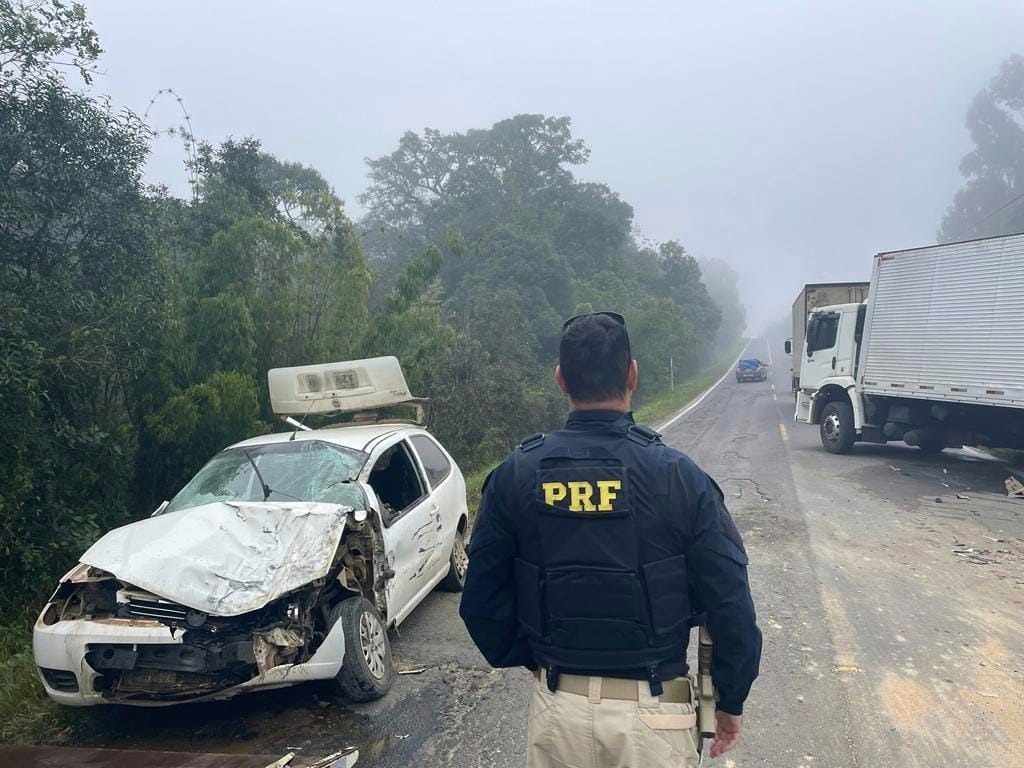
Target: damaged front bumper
[
  {"x": 83, "y": 662},
  {"x": 219, "y": 600}
]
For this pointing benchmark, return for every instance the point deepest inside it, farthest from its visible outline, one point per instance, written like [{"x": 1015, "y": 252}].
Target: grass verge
[
  {"x": 474, "y": 485},
  {"x": 27, "y": 716}
]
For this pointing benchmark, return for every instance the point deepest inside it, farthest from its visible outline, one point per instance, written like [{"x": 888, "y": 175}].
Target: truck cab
[{"x": 828, "y": 370}]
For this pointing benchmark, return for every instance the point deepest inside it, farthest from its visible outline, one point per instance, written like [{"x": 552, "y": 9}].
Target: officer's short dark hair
[{"x": 594, "y": 357}]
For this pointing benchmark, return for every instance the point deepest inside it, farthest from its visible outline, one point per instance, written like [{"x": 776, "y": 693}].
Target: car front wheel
[{"x": 366, "y": 672}]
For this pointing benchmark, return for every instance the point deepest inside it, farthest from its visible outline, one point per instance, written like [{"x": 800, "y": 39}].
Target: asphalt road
[{"x": 884, "y": 646}]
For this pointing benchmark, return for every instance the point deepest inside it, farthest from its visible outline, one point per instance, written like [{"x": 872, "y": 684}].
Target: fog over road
[{"x": 883, "y": 646}]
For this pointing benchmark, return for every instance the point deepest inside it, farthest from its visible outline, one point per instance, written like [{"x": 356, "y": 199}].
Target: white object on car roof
[
  {"x": 225, "y": 559},
  {"x": 345, "y": 387}
]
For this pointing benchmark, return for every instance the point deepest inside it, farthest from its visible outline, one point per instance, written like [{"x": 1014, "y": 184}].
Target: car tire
[
  {"x": 458, "y": 563},
  {"x": 836, "y": 427},
  {"x": 366, "y": 672}
]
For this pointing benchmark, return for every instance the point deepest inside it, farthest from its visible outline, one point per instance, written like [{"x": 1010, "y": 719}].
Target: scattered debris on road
[
  {"x": 1014, "y": 487},
  {"x": 346, "y": 758},
  {"x": 961, "y": 496},
  {"x": 282, "y": 762},
  {"x": 417, "y": 671},
  {"x": 976, "y": 556}
]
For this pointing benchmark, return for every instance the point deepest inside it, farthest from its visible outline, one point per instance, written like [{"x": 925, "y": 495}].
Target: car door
[
  {"x": 411, "y": 520},
  {"x": 437, "y": 468}
]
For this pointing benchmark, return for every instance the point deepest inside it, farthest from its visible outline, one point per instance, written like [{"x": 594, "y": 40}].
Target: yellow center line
[{"x": 782, "y": 431}]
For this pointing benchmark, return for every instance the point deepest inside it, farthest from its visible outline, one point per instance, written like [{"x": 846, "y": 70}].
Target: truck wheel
[
  {"x": 458, "y": 563},
  {"x": 837, "y": 434},
  {"x": 366, "y": 672}
]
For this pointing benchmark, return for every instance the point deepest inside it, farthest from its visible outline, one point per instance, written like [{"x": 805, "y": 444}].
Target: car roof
[{"x": 354, "y": 436}]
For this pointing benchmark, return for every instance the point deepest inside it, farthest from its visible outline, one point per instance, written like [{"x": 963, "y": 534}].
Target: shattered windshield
[{"x": 302, "y": 470}]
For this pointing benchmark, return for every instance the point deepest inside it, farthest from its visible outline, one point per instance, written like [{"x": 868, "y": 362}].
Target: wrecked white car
[{"x": 285, "y": 559}]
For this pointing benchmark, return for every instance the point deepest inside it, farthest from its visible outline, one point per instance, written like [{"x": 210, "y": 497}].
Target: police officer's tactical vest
[{"x": 601, "y": 584}]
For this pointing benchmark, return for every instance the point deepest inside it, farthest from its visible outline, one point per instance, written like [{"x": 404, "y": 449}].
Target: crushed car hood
[{"x": 224, "y": 559}]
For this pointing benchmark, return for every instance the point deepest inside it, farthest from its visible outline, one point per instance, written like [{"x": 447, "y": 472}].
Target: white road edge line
[{"x": 704, "y": 394}]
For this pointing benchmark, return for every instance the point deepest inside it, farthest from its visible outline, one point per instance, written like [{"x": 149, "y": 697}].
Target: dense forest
[{"x": 136, "y": 328}]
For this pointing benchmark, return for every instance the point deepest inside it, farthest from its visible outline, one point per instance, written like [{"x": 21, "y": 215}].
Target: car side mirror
[
  {"x": 789, "y": 346},
  {"x": 359, "y": 515}
]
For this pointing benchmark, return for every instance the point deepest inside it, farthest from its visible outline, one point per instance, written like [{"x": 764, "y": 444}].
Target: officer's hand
[{"x": 727, "y": 732}]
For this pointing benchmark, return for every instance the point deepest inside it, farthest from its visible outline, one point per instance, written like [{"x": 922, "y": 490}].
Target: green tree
[
  {"x": 473, "y": 179},
  {"x": 41, "y": 38},
  {"x": 196, "y": 423},
  {"x": 994, "y": 169},
  {"x": 270, "y": 273},
  {"x": 82, "y": 294}
]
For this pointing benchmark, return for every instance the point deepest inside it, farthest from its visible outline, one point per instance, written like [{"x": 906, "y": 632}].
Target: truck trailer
[
  {"x": 934, "y": 357},
  {"x": 812, "y": 296}
]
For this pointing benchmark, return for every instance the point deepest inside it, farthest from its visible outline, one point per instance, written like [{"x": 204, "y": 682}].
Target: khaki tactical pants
[{"x": 593, "y": 730}]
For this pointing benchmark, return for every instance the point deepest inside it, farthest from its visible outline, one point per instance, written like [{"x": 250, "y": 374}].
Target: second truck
[
  {"x": 934, "y": 357},
  {"x": 813, "y": 296}
]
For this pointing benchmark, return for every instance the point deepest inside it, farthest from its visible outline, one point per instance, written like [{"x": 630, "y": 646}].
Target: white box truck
[
  {"x": 934, "y": 357},
  {"x": 812, "y": 296}
]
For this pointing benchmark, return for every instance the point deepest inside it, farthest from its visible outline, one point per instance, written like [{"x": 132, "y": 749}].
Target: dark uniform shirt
[{"x": 716, "y": 569}]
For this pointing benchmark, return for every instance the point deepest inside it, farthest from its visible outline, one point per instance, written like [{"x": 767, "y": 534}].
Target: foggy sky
[{"x": 793, "y": 139}]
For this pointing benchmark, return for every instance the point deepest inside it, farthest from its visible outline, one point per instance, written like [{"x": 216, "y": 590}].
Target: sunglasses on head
[{"x": 614, "y": 316}]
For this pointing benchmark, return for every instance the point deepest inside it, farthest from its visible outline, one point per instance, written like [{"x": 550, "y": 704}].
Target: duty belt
[{"x": 676, "y": 691}]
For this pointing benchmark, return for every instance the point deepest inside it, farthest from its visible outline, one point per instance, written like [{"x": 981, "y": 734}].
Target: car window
[
  {"x": 397, "y": 482},
  {"x": 301, "y": 470},
  {"x": 435, "y": 463}
]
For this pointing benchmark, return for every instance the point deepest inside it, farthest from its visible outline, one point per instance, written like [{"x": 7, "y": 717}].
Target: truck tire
[
  {"x": 366, "y": 673},
  {"x": 836, "y": 428},
  {"x": 458, "y": 563}
]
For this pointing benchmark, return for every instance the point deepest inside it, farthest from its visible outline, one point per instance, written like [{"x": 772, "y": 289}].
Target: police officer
[{"x": 595, "y": 548}]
